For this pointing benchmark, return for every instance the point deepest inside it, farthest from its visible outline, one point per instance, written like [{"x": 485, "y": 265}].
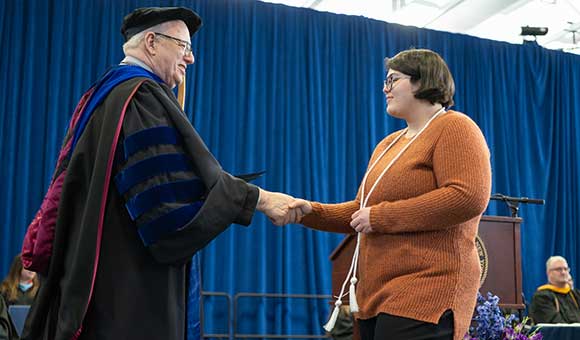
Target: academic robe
[
  {"x": 126, "y": 278},
  {"x": 551, "y": 304}
]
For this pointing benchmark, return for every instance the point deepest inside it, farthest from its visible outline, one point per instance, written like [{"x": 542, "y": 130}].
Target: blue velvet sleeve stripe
[
  {"x": 151, "y": 167},
  {"x": 191, "y": 190},
  {"x": 149, "y": 137},
  {"x": 168, "y": 223}
]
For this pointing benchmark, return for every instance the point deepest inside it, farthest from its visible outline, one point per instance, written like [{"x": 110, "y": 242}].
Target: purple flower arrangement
[{"x": 490, "y": 324}]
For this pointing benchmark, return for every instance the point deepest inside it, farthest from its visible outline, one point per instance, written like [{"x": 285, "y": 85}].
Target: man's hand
[
  {"x": 275, "y": 206},
  {"x": 361, "y": 221}
]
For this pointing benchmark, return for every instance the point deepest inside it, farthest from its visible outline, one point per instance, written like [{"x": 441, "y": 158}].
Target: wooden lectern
[
  {"x": 501, "y": 237},
  {"x": 500, "y": 256}
]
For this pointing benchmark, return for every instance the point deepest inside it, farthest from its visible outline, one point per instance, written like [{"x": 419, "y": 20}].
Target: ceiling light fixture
[
  {"x": 534, "y": 31},
  {"x": 529, "y": 31}
]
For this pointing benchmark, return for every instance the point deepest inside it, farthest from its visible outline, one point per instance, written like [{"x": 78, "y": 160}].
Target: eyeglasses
[
  {"x": 560, "y": 269},
  {"x": 186, "y": 46},
  {"x": 392, "y": 79}
]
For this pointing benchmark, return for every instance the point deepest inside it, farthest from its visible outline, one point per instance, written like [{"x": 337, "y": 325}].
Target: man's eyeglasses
[
  {"x": 181, "y": 43},
  {"x": 560, "y": 269},
  {"x": 392, "y": 79}
]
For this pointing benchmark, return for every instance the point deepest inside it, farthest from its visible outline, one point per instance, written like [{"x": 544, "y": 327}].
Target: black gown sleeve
[{"x": 174, "y": 190}]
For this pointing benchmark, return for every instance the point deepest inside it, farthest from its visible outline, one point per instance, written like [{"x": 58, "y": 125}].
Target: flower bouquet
[{"x": 491, "y": 324}]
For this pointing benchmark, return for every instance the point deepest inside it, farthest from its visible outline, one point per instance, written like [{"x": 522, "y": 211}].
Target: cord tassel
[
  {"x": 352, "y": 296},
  {"x": 333, "y": 317}
]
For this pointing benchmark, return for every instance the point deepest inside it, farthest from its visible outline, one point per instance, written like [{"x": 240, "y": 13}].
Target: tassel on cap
[
  {"x": 352, "y": 296},
  {"x": 333, "y": 317}
]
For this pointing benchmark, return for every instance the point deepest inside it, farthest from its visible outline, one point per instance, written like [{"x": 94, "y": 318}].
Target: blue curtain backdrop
[{"x": 296, "y": 93}]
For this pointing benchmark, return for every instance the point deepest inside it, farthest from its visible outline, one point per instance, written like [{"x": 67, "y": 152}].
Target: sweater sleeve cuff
[
  {"x": 379, "y": 222},
  {"x": 312, "y": 217}
]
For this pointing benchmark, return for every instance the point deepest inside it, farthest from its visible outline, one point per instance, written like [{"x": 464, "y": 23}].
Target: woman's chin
[{"x": 392, "y": 112}]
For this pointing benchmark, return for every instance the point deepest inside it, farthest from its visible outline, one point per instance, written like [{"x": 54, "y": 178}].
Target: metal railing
[
  {"x": 236, "y": 335},
  {"x": 202, "y": 317},
  {"x": 277, "y": 296}
]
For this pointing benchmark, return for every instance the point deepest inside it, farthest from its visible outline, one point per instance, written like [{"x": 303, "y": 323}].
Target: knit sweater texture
[{"x": 421, "y": 260}]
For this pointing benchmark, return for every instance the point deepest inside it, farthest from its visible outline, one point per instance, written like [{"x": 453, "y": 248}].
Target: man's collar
[
  {"x": 553, "y": 288},
  {"x": 130, "y": 60}
]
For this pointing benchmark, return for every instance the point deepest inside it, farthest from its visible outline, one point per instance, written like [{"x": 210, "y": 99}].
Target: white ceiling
[{"x": 492, "y": 19}]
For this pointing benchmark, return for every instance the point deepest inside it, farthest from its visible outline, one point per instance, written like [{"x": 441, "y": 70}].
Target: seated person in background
[
  {"x": 557, "y": 301},
  {"x": 7, "y": 329},
  {"x": 343, "y": 330},
  {"x": 20, "y": 286}
]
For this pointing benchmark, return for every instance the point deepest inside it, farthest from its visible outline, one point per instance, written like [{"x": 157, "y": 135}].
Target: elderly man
[
  {"x": 557, "y": 301},
  {"x": 118, "y": 268}
]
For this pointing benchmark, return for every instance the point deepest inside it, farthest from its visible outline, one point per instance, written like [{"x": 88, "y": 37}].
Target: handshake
[{"x": 282, "y": 209}]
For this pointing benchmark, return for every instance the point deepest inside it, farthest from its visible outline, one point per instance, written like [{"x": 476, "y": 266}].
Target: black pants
[{"x": 390, "y": 327}]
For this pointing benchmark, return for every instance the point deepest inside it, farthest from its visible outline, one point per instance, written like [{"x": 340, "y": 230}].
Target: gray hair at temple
[
  {"x": 136, "y": 40},
  {"x": 552, "y": 259}
]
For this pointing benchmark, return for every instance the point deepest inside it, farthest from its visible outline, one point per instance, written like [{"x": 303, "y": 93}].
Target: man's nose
[{"x": 189, "y": 58}]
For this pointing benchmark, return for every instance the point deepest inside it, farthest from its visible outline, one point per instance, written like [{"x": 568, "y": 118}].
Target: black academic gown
[
  {"x": 139, "y": 285},
  {"x": 550, "y": 306}
]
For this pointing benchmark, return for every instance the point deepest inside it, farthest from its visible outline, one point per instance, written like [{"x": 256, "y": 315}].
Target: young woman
[
  {"x": 20, "y": 286},
  {"x": 417, "y": 211}
]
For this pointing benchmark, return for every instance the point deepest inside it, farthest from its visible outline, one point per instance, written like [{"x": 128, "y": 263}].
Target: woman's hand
[
  {"x": 297, "y": 209},
  {"x": 361, "y": 221}
]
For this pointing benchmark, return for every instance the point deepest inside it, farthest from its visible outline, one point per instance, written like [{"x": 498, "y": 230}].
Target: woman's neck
[{"x": 420, "y": 117}]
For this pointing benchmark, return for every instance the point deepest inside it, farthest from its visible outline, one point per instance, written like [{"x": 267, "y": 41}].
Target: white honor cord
[{"x": 363, "y": 202}]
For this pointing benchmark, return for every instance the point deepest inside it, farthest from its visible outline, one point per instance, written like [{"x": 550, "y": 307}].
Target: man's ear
[{"x": 150, "y": 42}]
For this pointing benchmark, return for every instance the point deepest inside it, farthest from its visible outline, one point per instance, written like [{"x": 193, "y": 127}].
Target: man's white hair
[
  {"x": 552, "y": 259},
  {"x": 136, "y": 40}
]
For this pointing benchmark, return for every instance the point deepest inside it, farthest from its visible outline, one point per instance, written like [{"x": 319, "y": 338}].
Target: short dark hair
[{"x": 436, "y": 83}]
